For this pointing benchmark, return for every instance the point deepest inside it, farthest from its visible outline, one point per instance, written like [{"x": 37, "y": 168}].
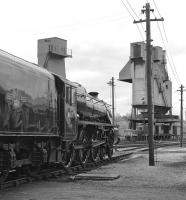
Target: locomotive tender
[{"x": 45, "y": 119}]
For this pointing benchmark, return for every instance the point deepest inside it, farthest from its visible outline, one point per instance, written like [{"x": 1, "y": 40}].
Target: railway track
[
  {"x": 157, "y": 144},
  {"x": 57, "y": 171}
]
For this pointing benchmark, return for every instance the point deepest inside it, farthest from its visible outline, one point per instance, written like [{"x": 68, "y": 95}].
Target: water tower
[{"x": 52, "y": 53}]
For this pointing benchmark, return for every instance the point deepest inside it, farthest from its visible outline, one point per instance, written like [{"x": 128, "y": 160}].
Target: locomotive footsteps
[{"x": 4, "y": 165}]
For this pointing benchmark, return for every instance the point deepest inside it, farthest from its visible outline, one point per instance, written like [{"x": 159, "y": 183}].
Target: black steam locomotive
[{"x": 47, "y": 119}]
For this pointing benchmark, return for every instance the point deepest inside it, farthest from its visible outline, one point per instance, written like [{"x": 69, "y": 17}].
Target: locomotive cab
[{"x": 67, "y": 108}]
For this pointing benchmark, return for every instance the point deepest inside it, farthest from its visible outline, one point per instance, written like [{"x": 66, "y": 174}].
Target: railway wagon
[{"x": 46, "y": 119}]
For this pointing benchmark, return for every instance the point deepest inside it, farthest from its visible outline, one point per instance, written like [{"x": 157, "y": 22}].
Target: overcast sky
[{"x": 99, "y": 32}]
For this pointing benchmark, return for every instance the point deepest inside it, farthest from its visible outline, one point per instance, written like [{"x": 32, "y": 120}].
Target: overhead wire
[
  {"x": 175, "y": 68},
  {"x": 131, "y": 8},
  {"x": 162, "y": 21},
  {"x": 169, "y": 56},
  {"x": 135, "y": 13},
  {"x": 133, "y": 19},
  {"x": 127, "y": 9},
  {"x": 165, "y": 32},
  {"x": 156, "y": 7}
]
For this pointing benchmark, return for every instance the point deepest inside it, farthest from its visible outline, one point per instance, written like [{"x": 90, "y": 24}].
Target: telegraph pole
[
  {"x": 181, "y": 115},
  {"x": 113, "y": 107},
  {"x": 111, "y": 83},
  {"x": 147, "y": 11}
]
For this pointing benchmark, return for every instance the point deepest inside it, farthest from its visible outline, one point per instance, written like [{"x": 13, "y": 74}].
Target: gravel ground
[{"x": 138, "y": 181}]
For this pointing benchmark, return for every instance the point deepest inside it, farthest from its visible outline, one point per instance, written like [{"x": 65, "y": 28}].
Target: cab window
[{"x": 69, "y": 95}]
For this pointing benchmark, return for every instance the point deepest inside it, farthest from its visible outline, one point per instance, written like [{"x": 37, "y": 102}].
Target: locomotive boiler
[
  {"x": 47, "y": 119},
  {"x": 90, "y": 108}
]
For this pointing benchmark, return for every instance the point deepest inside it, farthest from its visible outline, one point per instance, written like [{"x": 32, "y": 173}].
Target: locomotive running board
[{"x": 81, "y": 122}]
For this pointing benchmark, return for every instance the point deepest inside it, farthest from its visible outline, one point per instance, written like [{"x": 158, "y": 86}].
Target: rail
[{"x": 59, "y": 171}]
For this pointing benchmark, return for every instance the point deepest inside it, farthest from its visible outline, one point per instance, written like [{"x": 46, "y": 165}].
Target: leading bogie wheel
[
  {"x": 103, "y": 152},
  {"x": 84, "y": 155},
  {"x": 110, "y": 151}
]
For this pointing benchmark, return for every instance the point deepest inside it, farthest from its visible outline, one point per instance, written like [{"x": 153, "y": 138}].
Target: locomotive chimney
[
  {"x": 94, "y": 94},
  {"x": 52, "y": 53}
]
